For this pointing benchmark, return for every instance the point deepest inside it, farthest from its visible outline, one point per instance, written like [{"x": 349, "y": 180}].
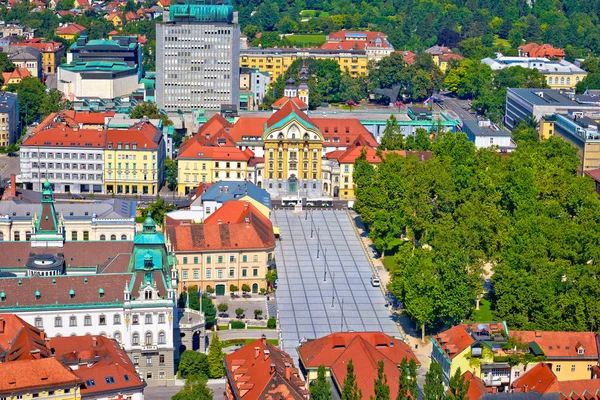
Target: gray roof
[
  {"x": 106, "y": 209},
  {"x": 472, "y": 126},
  {"x": 530, "y": 395},
  {"x": 23, "y": 53},
  {"x": 224, "y": 191},
  {"x": 8, "y": 101},
  {"x": 548, "y": 97}
]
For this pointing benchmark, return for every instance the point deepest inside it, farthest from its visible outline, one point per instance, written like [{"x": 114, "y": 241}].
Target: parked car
[
  {"x": 375, "y": 282},
  {"x": 374, "y": 253},
  {"x": 77, "y": 197}
]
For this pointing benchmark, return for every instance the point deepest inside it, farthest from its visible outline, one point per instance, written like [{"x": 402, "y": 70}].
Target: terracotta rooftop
[
  {"x": 262, "y": 371},
  {"x": 353, "y": 152},
  {"x": 476, "y": 386},
  {"x": 561, "y": 344},
  {"x": 197, "y": 151},
  {"x": 454, "y": 340},
  {"x": 18, "y": 73},
  {"x": 102, "y": 365},
  {"x": 281, "y": 102},
  {"x": 20, "y": 340},
  {"x": 66, "y": 137},
  {"x": 235, "y": 225},
  {"x": 70, "y": 29},
  {"x": 538, "y": 379},
  {"x": 594, "y": 174},
  {"x": 44, "y": 46},
  {"x": 365, "y": 349},
  {"x": 143, "y": 135},
  {"x": 26, "y": 375},
  {"x": 544, "y": 50}
]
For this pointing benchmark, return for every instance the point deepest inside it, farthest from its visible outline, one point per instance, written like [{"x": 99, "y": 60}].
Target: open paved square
[{"x": 332, "y": 293}]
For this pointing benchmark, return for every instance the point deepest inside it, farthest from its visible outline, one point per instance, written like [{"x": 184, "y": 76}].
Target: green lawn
[
  {"x": 501, "y": 42},
  {"x": 484, "y": 314},
  {"x": 307, "y": 40},
  {"x": 223, "y": 327},
  {"x": 233, "y": 342},
  {"x": 257, "y": 327},
  {"x": 388, "y": 262}
]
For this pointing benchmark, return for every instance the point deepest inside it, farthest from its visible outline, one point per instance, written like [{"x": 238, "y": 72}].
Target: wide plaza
[{"x": 331, "y": 291}]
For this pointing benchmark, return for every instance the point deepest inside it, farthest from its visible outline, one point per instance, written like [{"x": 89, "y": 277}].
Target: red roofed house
[
  {"x": 595, "y": 175},
  {"x": 237, "y": 234},
  {"x": 102, "y": 365},
  {"x": 375, "y": 44},
  {"x": 260, "y": 371},
  {"x": 16, "y": 76},
  {"x": 534, "y": 50},
  {"x": 365, "y": 349},
  {"x": 570, "y": 354},
  {"x": 52, "y": 52},
  {"x": 70, "y": 31}
]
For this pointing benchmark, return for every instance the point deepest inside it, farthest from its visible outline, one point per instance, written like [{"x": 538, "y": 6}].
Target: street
[
  {"x": 8, "y": 166},
  {"x": 458, "y": 107}
]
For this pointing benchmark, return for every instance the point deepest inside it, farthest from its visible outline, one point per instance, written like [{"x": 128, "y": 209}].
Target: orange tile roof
[
  {"x": 476, "y": 386},
  {"x": 594, "y": 174},
  {"x": 66, "y": 137},
  {"x": 144, "y": 134},
  {"x": 46, "y": 47},
  {"x": 539, "y": 379},
  {"x": 18, "y": 73},
  {"x": 561, "y": 344},
  {"x": 26, "y": 375},
  {"x": 454, "y": 340},
  {"x": 262, "y": 371},
  {"x": 576, "y": 389},
  {"x": 281, "y": 102},
  {"x": 545, "y": 50},
  {"x": 130, "y": 16},
  {"x": 197, "y": 151},
  {"x": 341, "y": 35},
  {"x": 365, "y": 349},
  {"x": 289, "y": 107},
  {"x": 409, "y": 56},
  {"x": 353, "y": 152},
  {"x": 348, "y": 130},
  {"x": 70, "y": 29},
  {"x": 20, "y": 340},
  {"x": 448, "y": 57},
  {"x": 226, "y": 228},
  {"x": 98, "y": 358}
]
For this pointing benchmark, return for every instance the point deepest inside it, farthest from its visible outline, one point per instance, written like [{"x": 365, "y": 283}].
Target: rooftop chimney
[
  {"x": 494, "y": 390},
  {"x": 256, "y": 352},
  {"x": 525, "y": 388},
  {"x": 288, "y": 371},
  {"x": 267, "y": 353},
  {"x": 2, "y": 323},
  {"x": 94, "y": 342},
  {"x": 13, "y": 185},
  {"x": 538, "y": 334},
  {"x": 263, "y": 339},
  {"x": 272, "y": 371}
]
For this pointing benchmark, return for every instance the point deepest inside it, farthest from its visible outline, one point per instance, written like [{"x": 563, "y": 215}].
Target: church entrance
[{"x": 293, "y": 183}]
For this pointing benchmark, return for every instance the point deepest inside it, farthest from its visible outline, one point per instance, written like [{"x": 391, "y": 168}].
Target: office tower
[{"x": 197, "y": 56}]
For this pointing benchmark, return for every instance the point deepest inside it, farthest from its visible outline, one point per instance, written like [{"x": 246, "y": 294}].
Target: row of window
[
  {"x": 304, "y": 176},
  {"x": 129, "y": 156},
  {"x": 220, "y": 259},
  {"x": 43, "y": 394},
  {"x": 135, "y": 338},
  {"x": 196, "y": 273},
  {"x": 58, "y": 175},
  {"x": 66, "y": 156},
  {"x": 558, "y": 367},
  {"x": 102, "y": 320},
  {"x": 133, "y": 166},
  {"x": 562, "y": 80},
  {"x": 227, "y": 165},
  {"x": 67, "y": 166}
]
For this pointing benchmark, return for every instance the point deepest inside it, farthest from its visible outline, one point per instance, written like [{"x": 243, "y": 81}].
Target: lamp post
[{"x": 325, "y": 269}]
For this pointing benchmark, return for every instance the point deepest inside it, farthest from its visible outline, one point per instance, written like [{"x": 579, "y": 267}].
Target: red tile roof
[
  {"x": 545, "y": 50},
  {"x": 342, "y": 35},
  {"x": 98, "y": 358},
  {"x": 353, "y": 152},
  {"x": 538, "y": 379},
  {"x": 18, "y": 73},
  {"x": 226, "y": 228},
  {"x": 476, "y": 386},
  {"x": 46, "y": 47},
  {"x": 197, "y": 151},
  {"x": 66, "y": 137},
  {"x": 130, "y": 16},
  {"x": 347, "y": 130},
  {"x": 289, "y": 107},
  {"x": 282, "y": 101},
  {"x": 594, "y": 174},
  {"x": 365, "y": 349},
  {"x": 262, "y": 371},
  {"x": 20, "y": 340},
  {"x": 454, "y": 340},
  {"x": 576, "y": 389},
  {"x": 561, "y": 344},
  {"x": 26, "y": 375},
  {"x": 409, "y": 56},
  {"x": 448, "y": 57},
  {"x": 70, "y": 29},
  {"x": 143, "y": 134}
]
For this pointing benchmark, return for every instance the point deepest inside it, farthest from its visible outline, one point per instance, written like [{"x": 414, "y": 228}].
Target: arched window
[
  {"x": 103, "y": 334},
  {"x": 314, "y": 185},
  {"x": 162, "y": 338},
  {"x": 255, "y": 288},
  {"x": 113, "y": 237},
  {"x": 306, "y": 137},
  {"x": 123, "y": 237},
  {"x": 568, "y": 80},
  {"x": 280, "y": 136},
  {"x": 102, "y": 237},
  {"x": 270, "y": 186},
  {"x": 135, "y": 339},
  {"x": 1, "y": 236},
  {"x": 576, "y": 79},
  {"x": 293, "y": 136},
  {"x": 117, "y": 336},
  {"x": 148, "y": 338},
  {"x": 562, "y": 81},
  {"x": 556, "y": 80}
]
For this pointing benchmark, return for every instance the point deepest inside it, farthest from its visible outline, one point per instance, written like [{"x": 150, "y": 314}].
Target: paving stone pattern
[{"x": 304, "y": 299}]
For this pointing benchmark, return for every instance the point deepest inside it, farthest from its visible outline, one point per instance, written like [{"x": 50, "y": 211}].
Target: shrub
[
  {"x": 209, "y": 289},
  {"x": 271, "y": 323},
  {"x": 238, "y": 325}
]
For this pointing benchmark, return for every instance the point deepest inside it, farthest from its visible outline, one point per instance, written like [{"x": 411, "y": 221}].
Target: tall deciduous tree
[
  {"x": 434, "y": 382},
  {"x": 458, "y": 388},
  {"x": 381, "y": 387},
  {"x": 350, "y": 390},
  {"x": 194, "y": 389},
  {"x": 392, "y": 138},
  {"x": 215, "y": 357},
  {"x": 320, "y": 388}
]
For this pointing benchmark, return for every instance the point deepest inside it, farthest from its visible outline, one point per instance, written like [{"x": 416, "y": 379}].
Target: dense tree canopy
[{"x": 529, "y": 216}]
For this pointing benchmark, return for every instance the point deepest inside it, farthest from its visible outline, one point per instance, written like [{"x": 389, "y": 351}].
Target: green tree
[
  {"x": 319, "y": 388},
  {"x": 215, "y": 357},
  {"x": 194, "y": 389},
  {"x": 458, "y": 388},
  {"x": 591, "y": 81},
  {"x": 239, "y": 312},
  {"x": 158, "y": 209},
  {"x": 381, "y": 387},
  {"x": 434, "y": 382},
  {"x": 233, "y": 288},
  {"x": 523, "y": 133},
  {"x": 210, "y": 312},
  {"x": 271, "y": 277},
  {"x": 193, "y": 363},
  {"x": 251, "y": 31},
  {"x": 392, "y": 138},
  {"x": 171, "y": 173},
  {"x": 6, "y": 64},
  {"x": 150, "y": 110},
  {"x": 257, "y": 313},
  {"x": 404, "y": 392},
  {"x": 350, "y": 390},
  {"x": 245, "y": 288},
  {"x": 222, "y": 307}
]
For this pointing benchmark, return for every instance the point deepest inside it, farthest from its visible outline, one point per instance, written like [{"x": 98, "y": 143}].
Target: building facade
[
  {"x": 52, "y": 52},
  {"x": 486, "y": 134},
  {"x": 197, "y": 59},
  {"x": 27, "y": 57},
  {"x": 9, "y": 119}
]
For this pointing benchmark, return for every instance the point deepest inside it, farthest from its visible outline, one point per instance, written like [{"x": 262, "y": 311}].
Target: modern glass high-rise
[{"x": 197, "y": 56}]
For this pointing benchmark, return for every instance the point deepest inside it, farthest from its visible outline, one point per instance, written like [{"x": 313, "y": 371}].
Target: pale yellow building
[
  {"x": 277, "y": 61},
  {"x": 134, "y": 160},
  {"x": 234, "y": 246}
]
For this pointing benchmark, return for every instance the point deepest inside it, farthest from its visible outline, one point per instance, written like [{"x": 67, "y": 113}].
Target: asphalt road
[
  {"x": 8, "y": 166},
  {"x": 458, "y": 107}
]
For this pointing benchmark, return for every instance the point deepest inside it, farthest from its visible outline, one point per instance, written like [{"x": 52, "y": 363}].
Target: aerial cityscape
[{"x": 293, "y": 200}]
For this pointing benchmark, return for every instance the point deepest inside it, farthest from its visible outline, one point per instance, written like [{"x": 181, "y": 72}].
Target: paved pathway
[{"x": 331, "y": 293}]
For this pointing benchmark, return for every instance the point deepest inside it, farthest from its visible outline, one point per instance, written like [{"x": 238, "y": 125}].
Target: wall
[{"x": 74, "y": 86}]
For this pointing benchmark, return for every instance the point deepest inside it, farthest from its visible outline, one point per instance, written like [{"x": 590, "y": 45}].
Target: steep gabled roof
[
  {"x": 288, "y": 110},
  {"x": 282, "y": 101},
  {"x": 23, "y": 376},
  {"x": 561, "y": 344},
  {"x": 538, "y": 379},
  {"x": 20, "y": 340},
  {"x": 454, "y": 340}
]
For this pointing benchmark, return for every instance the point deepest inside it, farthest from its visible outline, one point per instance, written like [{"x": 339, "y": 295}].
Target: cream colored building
[
  {"x": 223, "y": 251},
  {"x": 108, "y": 220}
]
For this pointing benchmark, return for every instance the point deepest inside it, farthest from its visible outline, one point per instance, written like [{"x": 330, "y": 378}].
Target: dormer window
[{"x": 580, "y": 351}]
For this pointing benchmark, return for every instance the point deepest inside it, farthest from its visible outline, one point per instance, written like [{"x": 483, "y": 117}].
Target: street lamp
[{"x": 325, "y": 269}]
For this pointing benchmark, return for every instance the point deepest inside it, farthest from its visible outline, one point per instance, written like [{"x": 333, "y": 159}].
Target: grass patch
[
  {"x": 307, "y": 40},
  {"x": 256, "y": 327},
  {"x": 234, "y": 342},
  {"x": 501, "y": 42},
  {"x": 223, "y": 327},
  {"x": 308, "y": 13},
  {"x": 484, "y": 314}
]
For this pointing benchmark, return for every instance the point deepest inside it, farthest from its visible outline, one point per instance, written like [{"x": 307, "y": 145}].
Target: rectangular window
[
  {"x": 195, "y": 274},
  {"x": 148, "y": 360},
  {"x": 219, "y": 273},
  {"x": 208, "y": 259},
  {"x": 244, "y": 258},
  {"x": 557, "y": 368},
  {"x": 86, "y": 235},
  {"x": 58, "y": 322},
  {"x": 208, "y": 273},
  {"x": 185, "y": 274},
  {"x": 185, "y": 260},
  {"x": 255, "y": 272},
  {"x": 231, "y": 259},
  {"x": 73, "y": 321},
  {"x": 195, "y": 260},
  {"x": 87, "y": 320},
  {"x": 573, "y": 368},
  {"x": 161, "y": 359},
  {"x": 255, "y": 258},
  {"x": 148, "y": 318},
  {"x": 136, "y": 360},
  {"x": 161, "y": 318},
  {"x": 117, "y": 319},
  {"x": 220, "y": 259},
  {"x": 232, "y": 273},
  {"x": 244, "y": 272},
  {"x": 102, "y": 320},
  {"x": 73, "y": 236}
]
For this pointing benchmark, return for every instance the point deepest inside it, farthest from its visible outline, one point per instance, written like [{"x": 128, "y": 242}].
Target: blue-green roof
[
  {"x": 98, "y": 66},
  {"x": 202, "y": 13}
]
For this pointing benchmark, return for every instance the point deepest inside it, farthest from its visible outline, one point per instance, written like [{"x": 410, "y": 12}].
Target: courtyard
[{"x": 331, "y": 293}]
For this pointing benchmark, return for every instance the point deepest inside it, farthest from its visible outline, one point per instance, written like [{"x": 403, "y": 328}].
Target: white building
[{"x": 486, "y": 134}]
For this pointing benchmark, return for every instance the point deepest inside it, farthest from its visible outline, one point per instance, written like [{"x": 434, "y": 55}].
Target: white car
[{"x": 375, "y": 282}]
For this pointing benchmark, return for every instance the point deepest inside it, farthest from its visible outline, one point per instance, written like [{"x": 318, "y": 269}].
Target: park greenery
[
  {"x": 215, "y": 357},
  {"x": 210, "y": 312},
  {"x": 193, "y": 363},
  {"x": 527, "y": 221}
]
